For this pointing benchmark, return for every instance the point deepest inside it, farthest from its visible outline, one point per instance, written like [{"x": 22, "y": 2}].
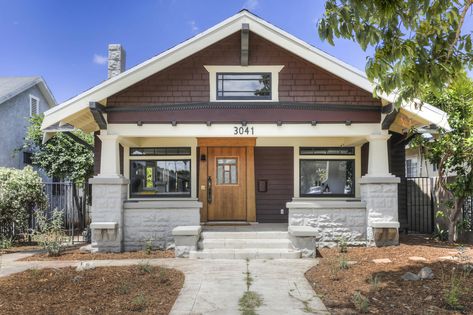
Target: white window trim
[
  {"x": 274, "y": 70},
  {"x": 32, "y": 97}
]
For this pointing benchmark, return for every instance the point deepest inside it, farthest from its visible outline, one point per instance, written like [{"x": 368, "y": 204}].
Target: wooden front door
[{"x": 226, "y": 183}]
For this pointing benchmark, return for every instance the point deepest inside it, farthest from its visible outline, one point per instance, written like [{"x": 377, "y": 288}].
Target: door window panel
[{"x": 227, "y": 171}]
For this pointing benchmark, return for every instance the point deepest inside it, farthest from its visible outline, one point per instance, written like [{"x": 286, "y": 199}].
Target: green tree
[
  {"x": 453, "y": 151},
  {"x": 67, "y": 157},
  {"x": 416, "y": 43}
]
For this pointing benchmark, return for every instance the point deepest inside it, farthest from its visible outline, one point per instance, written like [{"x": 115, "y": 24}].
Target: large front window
[
  {"x": 327, "y": 178},
  {"x": 160, "y": 178},
  {"x": 243, "y": 86}
]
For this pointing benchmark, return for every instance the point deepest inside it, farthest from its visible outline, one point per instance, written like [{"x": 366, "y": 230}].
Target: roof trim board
[{"x": 43, "y": 87}]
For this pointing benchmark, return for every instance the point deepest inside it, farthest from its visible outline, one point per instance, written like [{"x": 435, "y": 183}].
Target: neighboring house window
[
  {"x": 34, "y": 105},
  {"x": 243, "y": 86},
  {"x": 160, "y": 177},
  {"x": 435, "y": 167},
  {"x": 27, "y": 158},
  {"x": 320, "y": 177},
  {"x": 411, "y": 168}
]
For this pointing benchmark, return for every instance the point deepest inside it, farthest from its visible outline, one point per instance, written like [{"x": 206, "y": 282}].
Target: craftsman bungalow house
[{"x": 243, "y": 123}]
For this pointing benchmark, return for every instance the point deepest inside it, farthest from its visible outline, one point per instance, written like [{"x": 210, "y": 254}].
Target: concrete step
[
  {"x": 246, "y": 253},
  {"x": 245, "y": 235},
  {"x": 239, "y": 243}
]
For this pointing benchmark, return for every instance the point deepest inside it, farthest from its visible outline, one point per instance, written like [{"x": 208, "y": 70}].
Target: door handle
[{"x": 209, "y": 190}]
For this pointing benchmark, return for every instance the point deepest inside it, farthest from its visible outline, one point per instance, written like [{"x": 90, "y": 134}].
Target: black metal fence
[
  {"x": 419, "y": 199},
  {"x": 468, "y": 214}
]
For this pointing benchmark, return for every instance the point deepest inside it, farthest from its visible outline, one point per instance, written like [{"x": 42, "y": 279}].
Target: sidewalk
[{"x": 215, "y": 286}]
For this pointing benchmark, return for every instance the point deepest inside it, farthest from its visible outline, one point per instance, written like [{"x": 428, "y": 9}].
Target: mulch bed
[
  {"x": 74, "y": 254},
  {"x": 390, "y": 294},
  {"x": 107, "y": 290},
  {"x": 21, "y": 247}
]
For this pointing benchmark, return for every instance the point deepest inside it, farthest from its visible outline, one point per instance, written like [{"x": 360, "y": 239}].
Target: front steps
[{"x": 245, "y": 245}]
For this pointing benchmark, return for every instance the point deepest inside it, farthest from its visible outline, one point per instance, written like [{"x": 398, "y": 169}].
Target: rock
[
  {"x": 417, "y": 258},
  {"x": 382, "y": 261},
  {"x": 85, "y": 249},
  {"x": 85, "y": 266},
  {"x": 307, "y": 253},
  {"x": 409, "y": 276},
  {"x": 352, "y": 262},
  {"x": 171, "y": 246},
  {"x": 426, "y": 273},
  {"x": 429, "y": 298},
  {"x": 77, "y": 279}
]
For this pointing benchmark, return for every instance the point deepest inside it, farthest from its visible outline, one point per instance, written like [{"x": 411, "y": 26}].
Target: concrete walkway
[{"x": 215, "y": 286}]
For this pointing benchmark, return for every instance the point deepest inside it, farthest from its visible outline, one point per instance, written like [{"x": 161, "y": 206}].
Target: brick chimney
[{"x": 116, "y": 60}]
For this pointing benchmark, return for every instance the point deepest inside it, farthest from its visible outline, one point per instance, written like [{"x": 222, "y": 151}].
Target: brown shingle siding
[{"x": 188, "y": 81}]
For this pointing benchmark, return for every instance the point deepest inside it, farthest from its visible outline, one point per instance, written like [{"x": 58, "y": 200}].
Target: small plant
[
  {"x": 360, "y": 302},
  {"x": 453, "y": 292},
  {"x": 440, "y": 233},
  {"x": 6, "y": 243},
  {"x": 375, "y": 282},
  {"x": 138, "y": 303},
  {"x": 124, "y": 288},
  {"x": 145, "y": 268},
  {"x": 149, "y": 247},
  {"x": 343, "y": 245},
  {"x": 50, "y": 232},
  {"x": 249, "y": 302},
  {"x": 163, "y": 275},
  {"x": 343, "y": 262}
]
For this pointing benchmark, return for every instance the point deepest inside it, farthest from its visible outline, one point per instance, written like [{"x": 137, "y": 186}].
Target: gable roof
[
  {"x": 12, "y": 86},
  {"x": 75, "y": 110}
]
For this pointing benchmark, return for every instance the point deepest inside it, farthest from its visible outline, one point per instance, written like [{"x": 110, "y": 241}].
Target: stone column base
[{"x": 186, "y": 239}]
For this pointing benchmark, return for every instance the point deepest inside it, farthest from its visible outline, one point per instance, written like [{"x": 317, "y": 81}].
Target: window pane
[
  {"x": 243, "y": 85},
  {"x": 227, "y": 171},
  {"x": 160, "y": 151},
  {"x": 327, "y": 151},
  {"x": 160, "y": 178},
  {"x": 327, "y": 177}
]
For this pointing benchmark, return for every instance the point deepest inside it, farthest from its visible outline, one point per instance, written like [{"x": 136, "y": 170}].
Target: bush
[
  {"x": 21, "y": 191},
  {"x": 50, "y": 232}
]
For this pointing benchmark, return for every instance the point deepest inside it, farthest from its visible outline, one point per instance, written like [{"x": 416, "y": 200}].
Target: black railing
[{"x": 468, "y": 214}]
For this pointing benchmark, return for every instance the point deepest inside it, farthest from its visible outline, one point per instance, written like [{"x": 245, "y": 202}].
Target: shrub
[
  {"x": 343, "y": 262},
  {"x": 342, "y": 245},
  {"x": 21, "y": 191},
  {"x": 148, "y": 247},
  {"x": 360, "y": 302},
  {"x": 50, "y": 233}
]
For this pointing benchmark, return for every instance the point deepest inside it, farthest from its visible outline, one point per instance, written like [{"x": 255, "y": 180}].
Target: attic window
[
  {"x": 244, "y": 86},
  {"x": 34, "y": 106}
]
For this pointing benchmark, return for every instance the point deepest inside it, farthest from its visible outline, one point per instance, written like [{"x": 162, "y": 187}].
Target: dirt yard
[
  {"x": 139, "y": 289},
  {"x": 20, "y": 247},
  {"x": 339, "y": 277},
  {"x": 74, "y": 254}
]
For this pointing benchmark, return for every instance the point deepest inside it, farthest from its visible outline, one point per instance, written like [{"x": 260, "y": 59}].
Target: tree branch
[{"x": 459, "y": 27}]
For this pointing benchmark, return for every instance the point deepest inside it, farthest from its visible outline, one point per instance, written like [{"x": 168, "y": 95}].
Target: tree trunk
[{"x": 454, "y": 217}]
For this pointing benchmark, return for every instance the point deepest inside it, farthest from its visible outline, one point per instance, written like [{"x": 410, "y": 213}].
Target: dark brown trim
[{"x": 97, "y": 111}]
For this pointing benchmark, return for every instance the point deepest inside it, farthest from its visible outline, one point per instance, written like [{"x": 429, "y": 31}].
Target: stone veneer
[
  {"x": 331, "y": 220},
  {"x": 380, "y": 195},
  {"x": 154, "y": 221},
  {"x": 108, "y": 195}
]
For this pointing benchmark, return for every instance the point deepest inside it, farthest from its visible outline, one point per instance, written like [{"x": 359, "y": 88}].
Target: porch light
[
  {"x": 208, "y": 123},
  {"x": 348, "y": 122},
  {"x": 174, "y": 123},
  {"x": 279, "y": 123},
  {"x": 139, "y": 123},
  {"x": 243, "y": 123},
  {"x": 203, "y": 157},
  {"x": 313, "y": 123}
]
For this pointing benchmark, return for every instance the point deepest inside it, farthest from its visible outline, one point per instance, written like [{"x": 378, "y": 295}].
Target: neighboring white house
[
  {"x": 20, "y": 98},
  {"x": 243, "y": 123}
]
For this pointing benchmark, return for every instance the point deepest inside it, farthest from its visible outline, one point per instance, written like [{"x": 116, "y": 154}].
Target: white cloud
[
  {"x": 194, "y": 27},
  {"x": 99, "y": 59},
  {"x": 250, "y": 4}
]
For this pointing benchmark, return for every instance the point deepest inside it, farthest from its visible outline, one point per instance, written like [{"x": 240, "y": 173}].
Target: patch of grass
[
  {"x": 139, "y": 303},
  {"x": 343, "y": 262},
  {"x": 360, "y": 302},
  {"x": 144, "y": 268},
  {"x": 124, "y": 288},
  {"x": 375, "y": 281},
  {"x": 454, "y": 291},
  {"x": 249, "y": 302},
  {"x": 148, "y": 247}
]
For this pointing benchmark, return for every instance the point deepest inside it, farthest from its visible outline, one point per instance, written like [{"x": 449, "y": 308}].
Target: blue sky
[{"x": 66, "y": 41}]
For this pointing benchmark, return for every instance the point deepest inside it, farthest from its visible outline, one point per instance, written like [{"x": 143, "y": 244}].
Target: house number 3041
[{"x": 243, "y": 130}]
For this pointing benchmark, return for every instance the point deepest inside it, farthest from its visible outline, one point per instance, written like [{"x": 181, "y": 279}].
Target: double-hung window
[
  {"x": 333, "y": 176},
  {"x": 161, "y": 174}
]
